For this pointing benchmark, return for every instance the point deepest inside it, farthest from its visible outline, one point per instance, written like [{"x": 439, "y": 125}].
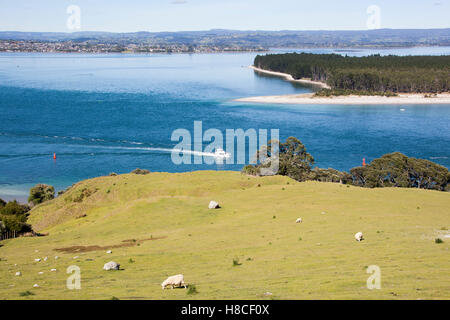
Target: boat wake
[{"x": 218, "y": 154}]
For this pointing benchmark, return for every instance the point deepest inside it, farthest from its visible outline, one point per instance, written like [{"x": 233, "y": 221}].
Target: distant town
[
  {"x": 217, "y": 40},
  {"x": 88, "y": 47}
]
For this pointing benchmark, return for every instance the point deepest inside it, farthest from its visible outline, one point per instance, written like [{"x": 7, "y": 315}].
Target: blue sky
[{"x": 175, "y": 15}]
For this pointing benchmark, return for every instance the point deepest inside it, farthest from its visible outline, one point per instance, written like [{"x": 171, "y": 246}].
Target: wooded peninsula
[{"x": 375, "y": 74}]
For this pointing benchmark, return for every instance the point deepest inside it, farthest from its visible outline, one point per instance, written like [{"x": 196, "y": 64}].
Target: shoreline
[
  {"x": 289, "y": 78},
  {"x": 307, "y": 98}
]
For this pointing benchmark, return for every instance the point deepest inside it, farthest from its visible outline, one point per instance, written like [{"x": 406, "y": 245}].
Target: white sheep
[
  {"x": 214, "y": 205},
  {"x": 299, "y": 220},
  {"x": 359, "y": 236},
  {"x": 174, "y": 281},
  {"x": 111, "y": 266}
]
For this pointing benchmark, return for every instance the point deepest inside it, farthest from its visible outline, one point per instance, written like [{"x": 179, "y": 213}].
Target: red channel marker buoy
[{"x": 54, "y": 156}]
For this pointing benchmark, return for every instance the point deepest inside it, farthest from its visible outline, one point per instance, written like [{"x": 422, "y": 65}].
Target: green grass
[
  {"x": 170, "y": 212},
  {"x": 26, "y": 294},
  {"x": 191, "y": 290}
]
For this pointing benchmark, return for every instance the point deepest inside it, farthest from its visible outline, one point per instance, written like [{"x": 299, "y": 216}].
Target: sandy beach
[
  {"x": 308, "y": 98},
  {"x": 288, "y": 77},
  {"x": 352, "y": 100}
]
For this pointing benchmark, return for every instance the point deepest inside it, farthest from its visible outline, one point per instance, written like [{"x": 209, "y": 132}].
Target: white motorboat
[{"x": 220, "y": 153}]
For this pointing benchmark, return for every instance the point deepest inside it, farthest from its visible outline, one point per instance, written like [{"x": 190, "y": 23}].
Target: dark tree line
[
  {"x": 420, "y": 74},
  {"x": 391, "y": 170},
  {"x": 14, "y": 216},
  {"x": 397, "y": 170}
]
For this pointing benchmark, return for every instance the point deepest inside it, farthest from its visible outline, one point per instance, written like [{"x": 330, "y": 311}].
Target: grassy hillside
[{"x": 159, "y": 225}]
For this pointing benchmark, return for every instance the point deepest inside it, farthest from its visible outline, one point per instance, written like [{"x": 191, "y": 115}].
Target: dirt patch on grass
[{"x": 125, "y": 243}]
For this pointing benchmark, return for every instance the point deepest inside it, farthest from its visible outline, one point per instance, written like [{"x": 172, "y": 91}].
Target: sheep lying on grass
[
  {"x": 174, "y": 281},
  {"x": 214, "y": 205},
  {"x": 111, "y": 266},
  {"x": 359, "y": 236}
]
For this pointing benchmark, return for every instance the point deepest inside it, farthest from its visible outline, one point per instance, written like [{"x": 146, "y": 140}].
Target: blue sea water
[{"x": 114, "y": 113}]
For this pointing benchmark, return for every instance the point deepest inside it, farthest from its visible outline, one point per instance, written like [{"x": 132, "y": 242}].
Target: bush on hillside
[
  {"x": 140, "y": 171},
  {"x": 82, "y": 194},
  {"x": 14, "y": 208},
  {"x": 330, "y": 175},
  {"x": 251, "y": 170},
  {"x": 15, "y": 223},
  {"x": 391, "y": 170},
  {"x": 13, "y": 217},
  {"x": 294, "y": 161},
  {"x": 236, "y": 262},
  {"x": 192, "y": 289},
  {"x": 2, "y": 203},
  {"x": 41, "y": 193},
  {"x": 26, "y": 293},
  {"x": 397, "y": 170}
]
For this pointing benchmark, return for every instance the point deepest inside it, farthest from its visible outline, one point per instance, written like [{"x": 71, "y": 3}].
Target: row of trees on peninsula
[
  {"x": 375, "y": 73},
  {"x": 391, "y": 170}
]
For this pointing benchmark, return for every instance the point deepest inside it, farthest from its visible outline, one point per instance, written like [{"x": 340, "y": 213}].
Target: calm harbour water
[{"x": 114, "y": 113}]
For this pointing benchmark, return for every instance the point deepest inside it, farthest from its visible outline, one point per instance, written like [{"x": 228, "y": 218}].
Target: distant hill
[{"x": 274, "y": 39}]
